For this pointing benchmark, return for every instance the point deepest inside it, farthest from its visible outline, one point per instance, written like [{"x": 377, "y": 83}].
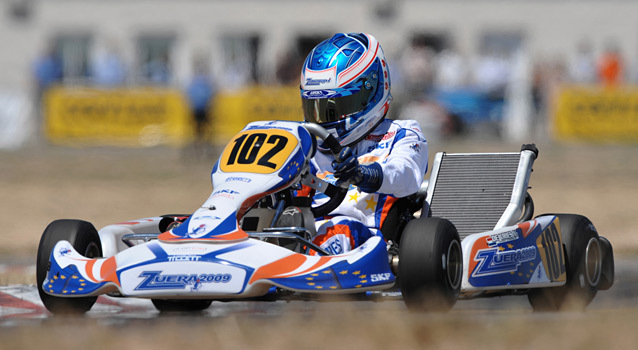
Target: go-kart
[{"x": 252, "y": 238}]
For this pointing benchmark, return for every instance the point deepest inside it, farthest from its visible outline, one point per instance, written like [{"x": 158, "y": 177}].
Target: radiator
[{"x": 473, "y": 190}]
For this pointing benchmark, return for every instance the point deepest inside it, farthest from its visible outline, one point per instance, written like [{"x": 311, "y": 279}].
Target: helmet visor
[{"x": 325, "y": 110}]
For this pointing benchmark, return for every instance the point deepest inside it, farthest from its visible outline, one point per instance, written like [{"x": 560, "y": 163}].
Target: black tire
[
  {"x": 583, "y": 257},
  {"x": 175, "y": 305},
  {"x": 430, "y": 265},
  {"x": 85, "y": 239}
]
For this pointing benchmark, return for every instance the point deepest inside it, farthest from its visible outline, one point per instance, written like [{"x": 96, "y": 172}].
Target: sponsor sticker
[
  {"x": 380, "y": 277},
  {"x": 502, "y": 237},
  {"x": 375, "y": 138},
  {"x": 199, "y": 229},
  {"x": 64, "y": 251},
  {"x": 188, "y": 249},
  {"x": 494, "y": 261},
  {"x": 188, "y": 257},
  {"x": 211, "y": 217},
  {"x": 315, "y": 94},
  {"x": 230, "y": 194},
  {"x": 238, "y": 178},
  {"x": 155, "y": 280},
  {"x": 311, "y": 81}
]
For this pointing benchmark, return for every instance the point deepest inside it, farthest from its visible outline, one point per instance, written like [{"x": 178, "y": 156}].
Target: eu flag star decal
[{"x": 371, "y": 203}]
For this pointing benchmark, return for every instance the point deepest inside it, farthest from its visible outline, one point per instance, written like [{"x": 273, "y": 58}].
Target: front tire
[
  {"x": 430, "y": 264},
  {"x": 583, "y": 255},
  {"x": 85, "y": 240}
]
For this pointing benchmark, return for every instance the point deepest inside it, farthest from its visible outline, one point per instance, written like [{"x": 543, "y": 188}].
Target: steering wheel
[{"x": 335, "y": 193}]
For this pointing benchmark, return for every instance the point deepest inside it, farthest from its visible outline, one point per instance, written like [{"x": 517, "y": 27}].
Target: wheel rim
[
  {"x": 454, "y": 264},
  {"x": 593, "y": 261}
]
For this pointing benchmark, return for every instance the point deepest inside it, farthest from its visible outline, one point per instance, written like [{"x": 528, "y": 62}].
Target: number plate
[
  {"x": 258, "y": 151},
  {"x": 550, "y": 246}
]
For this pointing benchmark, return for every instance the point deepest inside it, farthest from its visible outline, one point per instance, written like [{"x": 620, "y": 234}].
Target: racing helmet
[{"x": 345, "y": 86}]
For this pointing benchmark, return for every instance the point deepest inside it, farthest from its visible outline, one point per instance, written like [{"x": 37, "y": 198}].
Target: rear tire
[
  {"x": 583, "y": 255},
  {"x": 85, "y": 240},
  {"x": 430, "y": 265},
  {"x": 176, "y": 305}
]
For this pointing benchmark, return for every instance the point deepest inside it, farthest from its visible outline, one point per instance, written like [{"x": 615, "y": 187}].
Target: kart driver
[{"x": 345, "y": 88}]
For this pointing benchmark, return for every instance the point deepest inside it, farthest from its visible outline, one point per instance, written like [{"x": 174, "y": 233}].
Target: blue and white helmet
[{"x": 345, "y": 86}]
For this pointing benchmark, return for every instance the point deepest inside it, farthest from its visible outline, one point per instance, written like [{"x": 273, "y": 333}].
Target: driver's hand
[
  {"x": 368, "y": 177},
  {"x": 345, "y": 166}
]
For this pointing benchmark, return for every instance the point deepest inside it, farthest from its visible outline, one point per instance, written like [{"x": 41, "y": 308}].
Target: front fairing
[
  {"x": 223, "y": 270},
  {"x": 264, "y": 158}
]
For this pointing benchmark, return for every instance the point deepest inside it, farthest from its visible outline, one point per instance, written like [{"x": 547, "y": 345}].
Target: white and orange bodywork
[{"x": 216, "y": 270}]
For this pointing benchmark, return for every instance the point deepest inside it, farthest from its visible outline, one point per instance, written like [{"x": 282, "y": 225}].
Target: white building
[
  {"x": 244, "y": 39},
  {"x": 232, "y": 30}
]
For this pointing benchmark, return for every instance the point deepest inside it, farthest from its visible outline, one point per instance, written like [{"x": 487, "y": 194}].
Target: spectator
[
  {"x": 47, "y": 71},
  {"x": 288, "y": 67},
  {"x": 451, "y": 70},
  {"x": 107, "y": 67},
  {"x": 156, "y": 70},
  {"x": 582, "y": 67},
  {"x": 610, "y": 66},
  {"x": 417, "y": 69},
  {"x": 492, "y": 74},
  {"x": 200, "y": 92}
]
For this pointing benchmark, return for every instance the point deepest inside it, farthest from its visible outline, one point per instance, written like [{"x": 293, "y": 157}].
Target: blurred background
[
  {"x": 112, "y": 110},
  {"x": 142, "y": 73}
]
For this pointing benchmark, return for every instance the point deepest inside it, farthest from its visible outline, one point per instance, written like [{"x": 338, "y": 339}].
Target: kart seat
[{"x": 480, "y": 192}]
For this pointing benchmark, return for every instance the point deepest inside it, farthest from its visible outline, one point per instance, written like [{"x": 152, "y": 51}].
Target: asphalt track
[{"x": 20, "y": 304}]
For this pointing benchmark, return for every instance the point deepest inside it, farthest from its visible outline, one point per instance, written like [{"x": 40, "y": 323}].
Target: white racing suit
[{"x": 402, "y": 151}]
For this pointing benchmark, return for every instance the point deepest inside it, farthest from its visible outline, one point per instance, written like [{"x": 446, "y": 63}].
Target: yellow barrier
[
  {"x": 232, "y": 110},
  {"x": 597, "y": 114},
  {"x": 142, "y": 117},
  {"x": 137, "y": 117}
]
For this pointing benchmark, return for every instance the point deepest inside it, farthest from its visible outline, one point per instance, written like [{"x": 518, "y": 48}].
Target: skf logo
[
  {"x": 380, "y": 277},
  {"x": 230, "y": 194},
  {"x": 225, "y": 191}
]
